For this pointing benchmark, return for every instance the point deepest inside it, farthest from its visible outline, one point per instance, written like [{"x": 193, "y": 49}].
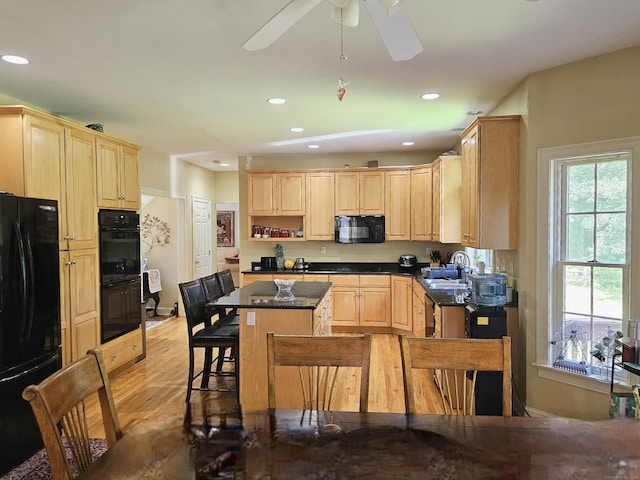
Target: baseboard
[{"x": 534, "y": 412}]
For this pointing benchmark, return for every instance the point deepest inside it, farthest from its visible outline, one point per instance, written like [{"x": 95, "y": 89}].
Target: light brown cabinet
[
  {"x": 79, "y": 302},
  {"x": 448, "y": 322},
  {"x": 422, "y": 318},
  {"x": 319, "y": 222},
  {"x": 490, "y": 157},
  {"x": 398, "y": 205},
  {"x": 123, "y": 349},
  {"x": 421, "y": 200},
  {"x": 447, "y": 208},
  {"x": 276, "y": 193},
  {"x": 361, "y": 300},
  {"x": 359, "y": 193},
  {"x": 402, "y": 303},
  {"x": 118, "y": 177}
]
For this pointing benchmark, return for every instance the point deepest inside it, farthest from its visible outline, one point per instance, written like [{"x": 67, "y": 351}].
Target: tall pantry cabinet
[
  {"x": 490, "y": 157},
  {"x": 47, "y": 157}
]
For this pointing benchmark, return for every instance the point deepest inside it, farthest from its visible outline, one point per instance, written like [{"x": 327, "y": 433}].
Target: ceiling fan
[{"x": 392, "y": 23}]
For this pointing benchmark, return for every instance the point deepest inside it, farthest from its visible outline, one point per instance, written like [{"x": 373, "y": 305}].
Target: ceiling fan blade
[
  {"x": 396, "y": 31},
  {"x": 347, "y": 16},
  {"x": 279, "y": 24}
]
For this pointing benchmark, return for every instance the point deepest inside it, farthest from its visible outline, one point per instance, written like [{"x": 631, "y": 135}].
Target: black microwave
[{"x": 359, "y": 229}]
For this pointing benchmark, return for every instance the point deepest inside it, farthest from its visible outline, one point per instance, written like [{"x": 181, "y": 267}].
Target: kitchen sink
[{"x": 441, "y": 283}]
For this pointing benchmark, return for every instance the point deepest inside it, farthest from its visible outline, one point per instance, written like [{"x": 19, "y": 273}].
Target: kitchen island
[{"x": 261, "y": 311}]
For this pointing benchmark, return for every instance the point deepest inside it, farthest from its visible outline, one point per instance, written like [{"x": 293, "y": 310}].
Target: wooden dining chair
[
  {"x": 319, "y": 359},
  {"x": 452, "y": 366},
  {"x": 58, "y": 403}
]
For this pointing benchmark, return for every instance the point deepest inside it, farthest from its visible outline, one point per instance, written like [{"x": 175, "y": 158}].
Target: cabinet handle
[
  {"x": 466, "y": 235},
  {"x": 68, "y": 263}
]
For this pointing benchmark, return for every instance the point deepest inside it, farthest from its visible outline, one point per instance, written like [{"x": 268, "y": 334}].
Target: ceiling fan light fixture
[
  {"x": 347, "y": 15},
  {"x": 391, "y": 6}
]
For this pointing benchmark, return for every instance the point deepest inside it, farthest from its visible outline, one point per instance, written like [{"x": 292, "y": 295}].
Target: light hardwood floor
[{"x": 156, "y": 386}]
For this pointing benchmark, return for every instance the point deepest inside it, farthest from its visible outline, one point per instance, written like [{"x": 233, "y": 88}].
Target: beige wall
[{"x": 594, "y": 99}]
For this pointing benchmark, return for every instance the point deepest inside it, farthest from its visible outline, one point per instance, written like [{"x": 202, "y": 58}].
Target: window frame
[{"x": 548, "y": 243}]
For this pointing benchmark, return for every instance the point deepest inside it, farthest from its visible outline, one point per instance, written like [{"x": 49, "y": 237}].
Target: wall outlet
[
  {"x": 251, "y": 318},
  {"x": 323, "y": 250}
]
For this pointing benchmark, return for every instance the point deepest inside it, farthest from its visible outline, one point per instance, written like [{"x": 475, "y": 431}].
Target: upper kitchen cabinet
[
  {"x": 117, "y": 176},
  {"x": 359, "y": 193},
  {"x": 421, "y": 198},
  {"x": 276, "y": 193},
  {"x": 397, "y": 205},
  {"x": 45, "y": 157},
  {"x": 447, "y": 211},
  {"x": 320, "y": 206},
  {"x": 490, "y": 157}
]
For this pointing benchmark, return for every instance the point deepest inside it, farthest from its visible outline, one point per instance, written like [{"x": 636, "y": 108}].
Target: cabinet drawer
[
  {"x": 315, "y": 277},
  {"x": 345, "y": 280},
  {"x": 375, "y": 280},
  {"x": 122, "y": 349}
]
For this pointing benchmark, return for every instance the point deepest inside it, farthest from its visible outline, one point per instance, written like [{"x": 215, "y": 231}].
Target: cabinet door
[
  {"x": 262, "y": 196},
  {"x": 291, "y": 193},
  {"x": 450, "y": 207},
  {"x": 80, "y": 161},
  {"x": 470, "y": 190},
  {"x": 346, "y": 308},
  {"x": 65, "y": 309},
  {"x": 44, "y": 166},
  {"x": 375, "y": 307},
  {"x": 83, "y": 301},
  {"x": 130, "y": 181},
  {"x": 372, "y": 189},
  {"x": 437, "y": 201},
  {"x": 421, "y": 198},
  {"x": 402, "y": 302},
  {"x": 347, "y": 193},
  {"x": 419, "y": 311},
  {"x": 320, "y": 206},
  {"x": 397, "y": 205},
  {"x": 108, "y": 156}
]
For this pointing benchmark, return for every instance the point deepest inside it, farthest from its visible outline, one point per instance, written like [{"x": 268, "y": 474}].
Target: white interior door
[{"x": 201, "y": 237}]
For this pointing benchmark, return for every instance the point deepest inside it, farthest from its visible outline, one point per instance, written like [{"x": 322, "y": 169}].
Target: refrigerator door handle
[{"x": 24, "y": 298}]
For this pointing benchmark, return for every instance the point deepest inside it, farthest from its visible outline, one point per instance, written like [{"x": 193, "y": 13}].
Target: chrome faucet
[{"x": 463, "y": 254}]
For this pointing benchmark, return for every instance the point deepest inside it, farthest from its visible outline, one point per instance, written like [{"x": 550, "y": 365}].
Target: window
[{"x": 586, "y": 302}]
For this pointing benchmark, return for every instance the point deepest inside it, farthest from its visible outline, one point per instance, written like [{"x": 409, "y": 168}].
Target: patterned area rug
[
  {"x": 37, "y": 467},
  {"x": 157, "y": 320}
]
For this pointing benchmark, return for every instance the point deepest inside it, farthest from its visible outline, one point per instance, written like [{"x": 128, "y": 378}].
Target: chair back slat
[
  {"x": 319, "y": 360},
  {"x": 447, "y": 371}
]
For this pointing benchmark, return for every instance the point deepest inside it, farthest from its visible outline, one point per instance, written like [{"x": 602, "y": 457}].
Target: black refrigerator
[{"x": 29, "y": 317}]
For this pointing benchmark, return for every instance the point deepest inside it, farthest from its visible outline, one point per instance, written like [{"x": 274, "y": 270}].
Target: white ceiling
[{"x": 172, "y": 75}]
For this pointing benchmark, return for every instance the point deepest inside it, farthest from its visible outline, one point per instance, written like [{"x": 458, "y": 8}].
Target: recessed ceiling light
[
  {"x": 474, "y": 112},
  {"x": 408, "y": 144},
  {"x": 429, "y": 96},
  {"x": 276, "y": 101},
  {"x": 296, "y": 129},
  {"x": 313, "y": 146},
  {"x": 15, "y": 59},
  {"x": 224, "y": 164}
]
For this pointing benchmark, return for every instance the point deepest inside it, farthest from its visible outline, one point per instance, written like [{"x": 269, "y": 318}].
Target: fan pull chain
[{"x": 341, "y": 83}]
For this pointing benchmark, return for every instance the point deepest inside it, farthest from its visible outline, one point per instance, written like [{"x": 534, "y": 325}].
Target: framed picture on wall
[{"x": 225, "y": 229}]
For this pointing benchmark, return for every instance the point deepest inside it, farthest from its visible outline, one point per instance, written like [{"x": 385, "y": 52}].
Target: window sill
[{"x": 595, "y": 383}]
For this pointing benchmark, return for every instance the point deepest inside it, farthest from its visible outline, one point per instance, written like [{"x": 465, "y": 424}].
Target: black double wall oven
[{"x": 121, "y": 309}]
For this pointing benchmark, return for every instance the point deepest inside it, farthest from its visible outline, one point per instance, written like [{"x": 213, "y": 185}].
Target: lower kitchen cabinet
[
  {"x": 346, "y": 308},
  {"x": 448, "y": 322},
  {"x": 123, "y": 349},
  {"x": 422, "y": 320},
  {"x": 79, "y": 301},
  {"x": 375, "y": 301},
  {"x": 402, "y": 303}
]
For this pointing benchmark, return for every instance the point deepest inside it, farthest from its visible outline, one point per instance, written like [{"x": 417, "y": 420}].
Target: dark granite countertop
[
  {"x": 445, "y": 297},
  {"x": 306, "y": 295}
]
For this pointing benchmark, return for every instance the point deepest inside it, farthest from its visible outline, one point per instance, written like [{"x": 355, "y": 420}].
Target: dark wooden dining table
[{"x": 343, "y": 445}]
